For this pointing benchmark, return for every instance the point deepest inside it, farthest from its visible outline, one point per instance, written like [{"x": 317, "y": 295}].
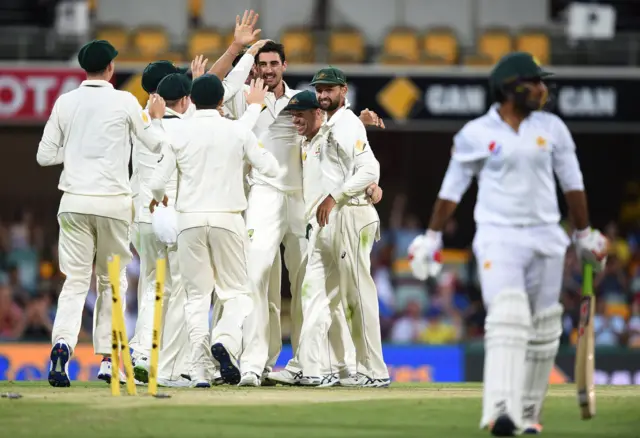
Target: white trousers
[
  {"x": 342, "y": 250},
  {"x": 211, "y": 256},
  {"x": 526, "y": 258},
  {"x": 175, "y": 350},
  {"x": 82, "y": 238},
  {"x": 273, "y": 217}
]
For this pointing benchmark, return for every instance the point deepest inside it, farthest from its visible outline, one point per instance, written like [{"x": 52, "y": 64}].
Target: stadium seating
[
  {"x": 346, "y": 46},
  {"x": 208, "y": 42},
  {"x": 440, "y": 47},
  {"x": 494, "y": 43},
  {"x": 401, "y": 46},
  {"x": 116, "y": 35},
  {"x": 535, "y": 42},
  {"x": 299, "y": 44},
  {"x": 150, "y": 43}
]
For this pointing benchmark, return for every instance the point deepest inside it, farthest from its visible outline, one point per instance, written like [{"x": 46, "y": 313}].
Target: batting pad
[
  {"x": 541, "y": 354},
  {"x": 507, "y": 332}
]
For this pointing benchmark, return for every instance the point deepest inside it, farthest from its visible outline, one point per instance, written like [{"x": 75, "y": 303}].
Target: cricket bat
[{"x": 585, "y": 360}]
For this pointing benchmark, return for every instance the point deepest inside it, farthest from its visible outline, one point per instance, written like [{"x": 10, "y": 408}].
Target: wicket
[
  {"x": 161, "y": 265},
  {"x": 119, "y": 340}
]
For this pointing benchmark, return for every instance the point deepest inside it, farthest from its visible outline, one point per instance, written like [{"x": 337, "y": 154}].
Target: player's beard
[{"x": 332, "y": 105}]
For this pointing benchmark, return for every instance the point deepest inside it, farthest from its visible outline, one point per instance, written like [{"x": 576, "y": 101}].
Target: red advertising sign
[{"x": 28, "y": 95}]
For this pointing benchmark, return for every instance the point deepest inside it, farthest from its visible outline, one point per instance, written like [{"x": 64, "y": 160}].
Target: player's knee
[{"x": 509, "y": 314}]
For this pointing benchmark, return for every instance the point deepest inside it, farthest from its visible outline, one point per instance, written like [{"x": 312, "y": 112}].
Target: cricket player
[
  {"x": 89, "y": 132},
  {"x": 309, "y": 119},
  {"x": 212, "y": 239},
  {"x": 275, "y": 215},
  {"x": 515, "y": 150},
  {"x": 339, "y": 167},
  {"x": 145, "y": 242}
]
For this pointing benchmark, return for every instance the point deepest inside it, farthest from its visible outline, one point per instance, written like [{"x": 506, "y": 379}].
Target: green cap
[
  {"x": 174, "y": 86},
  {"x": 207, "y": 90},
  {"x": 305, "y": 100},
  {"x": 96, "y": 55},
  {"x": 329, "y": 76},
  {"x": 155, "y": 72},
  {"x": 516, "y": 66}
]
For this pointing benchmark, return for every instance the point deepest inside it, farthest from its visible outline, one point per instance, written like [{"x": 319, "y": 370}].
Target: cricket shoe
[
  {"x": 265, "y": 381},
  {"x": 141, "y": 369},
  {"x": 249, "y": 379},
  {"x": 329, "y": 380},
  {"x": 227, "y": 364},
  {"x": 503, "y": 426},
  {"x": 360, "y": 380},
  {"x": 532, "y": 429},
  {"x": 180, "y": 383},
  {"x": 105, "y": 372},
  {"x": 59, "y": 366},
  {"x": 285, "y": 377},
  {"x": 215, "y": 381}
]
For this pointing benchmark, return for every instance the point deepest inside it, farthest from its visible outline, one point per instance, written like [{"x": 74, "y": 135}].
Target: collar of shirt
[
  {"x": 96, "y": 83},
  {"x": 169, "y": 113},
  {"x": 288, "y": 93},
  {"x": 207, "y": 113},
  {"x": 332, "y": 121}
]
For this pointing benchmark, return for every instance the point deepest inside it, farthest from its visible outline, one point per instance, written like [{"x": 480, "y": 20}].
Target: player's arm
[
  {"x": 366, "y": 166},
  {"x": 50, "y": 151},
  {"x": 255, "y": 99},
  {"x": 162, "y": 174},
  {"x": 259, "y": 158},
  {"x": 243, "y": 34},
  {"x": 149, "y": 128},
  {"x": 567, "y": 169}
]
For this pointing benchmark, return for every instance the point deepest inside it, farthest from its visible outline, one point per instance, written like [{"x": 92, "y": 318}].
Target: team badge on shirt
[
  {"x": 304, "y": 155},
  {"x": 360, "y": 145},
  {"x": 494, "y": 148},
  {"x": 250, "y": 233},
  {"x": 541, "y": 142},
  {"x": 145, "y": 117}
]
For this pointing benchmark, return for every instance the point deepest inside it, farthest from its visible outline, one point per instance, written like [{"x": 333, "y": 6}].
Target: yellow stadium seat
[
  {"x": 536, "y": 43},
  {"x": 206, "y": 42},
  {"x": 495, "y": 43},
  {"x": 401, "y": 46},
  {"x": 441, "y": 43},
  {"x": 618, "y": 309},
  {"x": 116, "y": 35},
  {"x": 92, "y": 5},
  {"x": 150, "y": 41},
  {"x": 299, "y": 45},
  {"x": 346, "y": 46}
]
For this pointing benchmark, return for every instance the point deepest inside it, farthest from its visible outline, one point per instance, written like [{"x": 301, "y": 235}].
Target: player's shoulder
[
  {"x": 470, "y": 143},
  {"x": 547, "y": 120}
]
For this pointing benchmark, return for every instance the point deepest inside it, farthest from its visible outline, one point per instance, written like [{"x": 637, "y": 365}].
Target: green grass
[{"x": 405, "y": 410}]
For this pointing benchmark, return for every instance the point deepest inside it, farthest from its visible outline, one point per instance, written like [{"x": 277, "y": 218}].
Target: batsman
[{"x": 514, "y": 150}]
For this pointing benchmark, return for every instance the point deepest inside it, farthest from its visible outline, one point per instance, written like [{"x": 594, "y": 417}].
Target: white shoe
[
  {"x": 310, "y": 381},
  {"x": 363, "y": 381},
  {"x": 285, "y": 377},
  {"x": 249, "y": 379},
  {"x": 106, "y": 371},
  {"x": 141, "y": 369},
  {"x": 180, "y": 383},
  {"x": 329, "y": 380},
  {"x": 59, "y": 365}
]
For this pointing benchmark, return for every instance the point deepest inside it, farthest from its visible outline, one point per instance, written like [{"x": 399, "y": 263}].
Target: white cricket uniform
[
  {"x": 519, "y": 247},
  {"x": 212, "y": 240},
  {"x": 89, "y": 132},
  {"x": 148, "y": 246},
  {"x": 341, "y": 163},
  {"x": 275, "y": 215}
]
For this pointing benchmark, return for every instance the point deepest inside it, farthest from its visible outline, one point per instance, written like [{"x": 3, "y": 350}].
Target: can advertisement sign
[{"x": 406, "y": 363}]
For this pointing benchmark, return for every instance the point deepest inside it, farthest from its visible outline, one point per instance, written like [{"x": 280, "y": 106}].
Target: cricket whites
[{"x": 585, "y": 360}]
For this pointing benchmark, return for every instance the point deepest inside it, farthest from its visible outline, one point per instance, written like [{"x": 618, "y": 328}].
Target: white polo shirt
[{"x": 515, "y": 170}]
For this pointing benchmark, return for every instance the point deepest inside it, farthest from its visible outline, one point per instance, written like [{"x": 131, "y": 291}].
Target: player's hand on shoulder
[
  {"x": 157, "y": 106},
  {"x": 425, "y": 255},
  {"x": 370, "y": 118},
  {"x": 257, "y": 92},
  {"x": 592, "y": 247}
]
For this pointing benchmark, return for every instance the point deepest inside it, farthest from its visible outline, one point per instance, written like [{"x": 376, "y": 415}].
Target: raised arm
[{"x": 243, "y": 35}]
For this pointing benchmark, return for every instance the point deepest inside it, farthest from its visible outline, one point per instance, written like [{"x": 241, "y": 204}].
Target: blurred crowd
[{"x": 443, "y": 311}]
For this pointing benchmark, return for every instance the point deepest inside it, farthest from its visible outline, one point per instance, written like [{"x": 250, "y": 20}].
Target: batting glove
[
  {"x": 425, "y": 255},
  {"x": 592, "y": 248}
]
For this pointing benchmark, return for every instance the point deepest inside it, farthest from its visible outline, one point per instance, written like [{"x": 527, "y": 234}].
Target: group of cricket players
[{"x": 230, "y": 163}]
